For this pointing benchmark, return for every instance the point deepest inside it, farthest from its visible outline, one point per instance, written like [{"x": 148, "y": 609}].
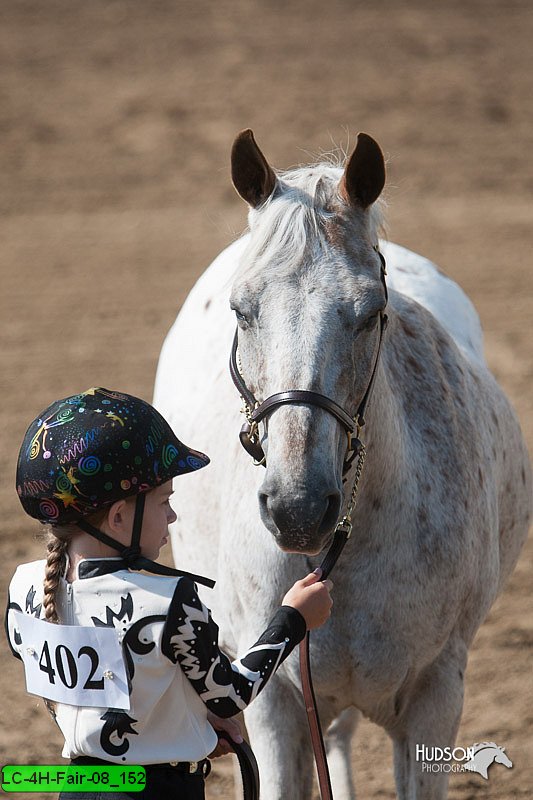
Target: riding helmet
[{"x": 87, "y": 451}]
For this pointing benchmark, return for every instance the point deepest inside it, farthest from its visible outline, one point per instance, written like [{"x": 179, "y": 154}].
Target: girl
[{"x": 98, "y": 468}]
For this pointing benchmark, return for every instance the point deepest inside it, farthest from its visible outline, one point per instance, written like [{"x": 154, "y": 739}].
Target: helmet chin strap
[{"x": 131, "y": 555}]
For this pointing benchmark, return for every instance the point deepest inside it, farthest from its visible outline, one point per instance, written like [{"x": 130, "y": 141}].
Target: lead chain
[{"x": 346, "y": 521}]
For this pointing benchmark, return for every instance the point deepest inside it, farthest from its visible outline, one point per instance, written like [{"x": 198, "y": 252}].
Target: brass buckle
[
  {"x": 193, "y": 767},
  {"x": 344, "y": 526}
]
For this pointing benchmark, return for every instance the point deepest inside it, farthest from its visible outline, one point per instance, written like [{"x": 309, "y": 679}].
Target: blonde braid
[{"x": 56, "y": 563}]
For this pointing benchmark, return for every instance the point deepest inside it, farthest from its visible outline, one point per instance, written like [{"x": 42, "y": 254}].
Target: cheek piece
[{"x": 131, "y": 554}]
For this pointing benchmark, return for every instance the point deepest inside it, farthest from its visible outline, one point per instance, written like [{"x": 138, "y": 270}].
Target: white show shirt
[{"x": 175, "y": 669}]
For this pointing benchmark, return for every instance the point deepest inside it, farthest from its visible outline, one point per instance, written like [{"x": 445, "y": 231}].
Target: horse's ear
[
  {"x": 252, "y": 175},
  {"x": 364, "y": 175}
]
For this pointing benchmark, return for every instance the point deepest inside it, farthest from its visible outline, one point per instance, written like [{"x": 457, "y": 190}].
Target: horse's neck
[{"x": 384, "y": 433}]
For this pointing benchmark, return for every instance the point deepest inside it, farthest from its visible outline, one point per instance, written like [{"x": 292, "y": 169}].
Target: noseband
[{"x": 255, "y": 412}]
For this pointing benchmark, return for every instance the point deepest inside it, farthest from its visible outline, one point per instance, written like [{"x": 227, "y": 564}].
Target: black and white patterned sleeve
[{"x": 190, "y": 639}]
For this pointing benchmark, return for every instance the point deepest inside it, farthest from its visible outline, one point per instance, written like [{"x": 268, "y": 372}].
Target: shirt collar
[{"x": 94, "y": 567}]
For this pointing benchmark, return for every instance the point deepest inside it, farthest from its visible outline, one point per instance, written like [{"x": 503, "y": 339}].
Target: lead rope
[
  {"x": 340, "y": 537},
  {"x": 247, "y": 765}
]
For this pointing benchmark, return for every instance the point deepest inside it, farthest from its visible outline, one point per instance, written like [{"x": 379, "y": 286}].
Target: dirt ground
[{"x": 116, "y": 122}]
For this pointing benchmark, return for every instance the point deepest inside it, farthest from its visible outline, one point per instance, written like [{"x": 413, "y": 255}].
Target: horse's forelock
[{"x": 283, "y": 228}]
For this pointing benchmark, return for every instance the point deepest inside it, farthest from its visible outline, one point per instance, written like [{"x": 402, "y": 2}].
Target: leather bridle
[{"x": 256, "y": 412}]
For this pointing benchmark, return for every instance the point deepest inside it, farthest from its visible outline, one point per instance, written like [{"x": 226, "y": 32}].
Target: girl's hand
[
  {"x": 310, "y": 597},
  {"x": 231, "y": 729}
]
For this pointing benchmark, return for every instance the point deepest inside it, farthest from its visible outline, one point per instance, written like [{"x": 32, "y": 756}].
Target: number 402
[{"x": 66, "y": 663}]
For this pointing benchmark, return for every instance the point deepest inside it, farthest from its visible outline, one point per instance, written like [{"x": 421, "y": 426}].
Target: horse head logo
[{"x": 486, "y": 753}]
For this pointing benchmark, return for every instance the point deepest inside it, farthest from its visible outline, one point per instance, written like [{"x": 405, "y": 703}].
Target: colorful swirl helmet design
[{"x": 89, "y": 450}]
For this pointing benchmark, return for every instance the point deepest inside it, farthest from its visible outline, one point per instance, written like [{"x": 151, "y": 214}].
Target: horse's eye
[
  {"x": 370, "y": 323},
  {"x": 241, "y": 318}
]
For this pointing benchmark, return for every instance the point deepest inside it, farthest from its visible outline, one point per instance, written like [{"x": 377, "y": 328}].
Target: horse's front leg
[
  {"x": 279, "y": 737},
  {"x": 338, "y": 746},
  {"x": 430, "y": 716}
]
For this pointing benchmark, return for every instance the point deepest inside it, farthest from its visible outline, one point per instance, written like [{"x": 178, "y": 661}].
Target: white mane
[{"x": 284, "y": 225}]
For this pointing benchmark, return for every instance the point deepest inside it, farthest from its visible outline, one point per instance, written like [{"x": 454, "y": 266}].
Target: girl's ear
[{"x": 119, "y": 516}]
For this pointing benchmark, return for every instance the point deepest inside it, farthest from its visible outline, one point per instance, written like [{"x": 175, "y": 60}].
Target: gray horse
[{"x": 444, "y": 500}]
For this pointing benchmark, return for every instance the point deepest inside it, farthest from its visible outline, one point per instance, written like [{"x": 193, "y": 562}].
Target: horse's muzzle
[{"x": 299, "y": 524}]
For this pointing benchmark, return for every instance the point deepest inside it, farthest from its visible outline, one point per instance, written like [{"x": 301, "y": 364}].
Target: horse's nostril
[
  {"x": 263, "y": 502},
  {"x": 331, "y": 514}
]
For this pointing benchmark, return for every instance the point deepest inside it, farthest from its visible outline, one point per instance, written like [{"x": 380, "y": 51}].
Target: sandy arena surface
[{"x": 116, "y": 124}]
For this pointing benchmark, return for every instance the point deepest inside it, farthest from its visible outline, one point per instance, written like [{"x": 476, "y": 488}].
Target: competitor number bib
[{"x": 73, "y": 664}]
